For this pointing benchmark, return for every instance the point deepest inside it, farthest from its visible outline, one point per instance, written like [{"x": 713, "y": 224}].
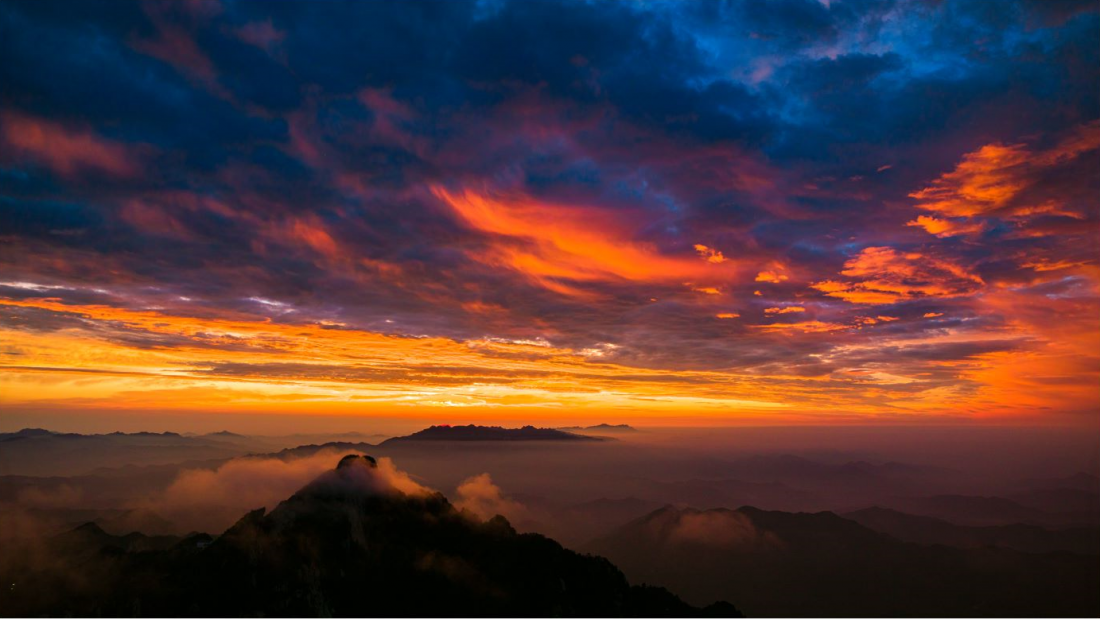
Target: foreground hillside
[{"x": 360, "y": 540}]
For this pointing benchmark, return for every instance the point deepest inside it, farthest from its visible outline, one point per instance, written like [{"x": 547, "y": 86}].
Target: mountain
[
  {"x": 820, "y": 564},
  {"x": 102, "y": 488},
  {"x": 1022, "y": 537},
  {"x": 603, "y": 427},
  {"x": 350, "y": 543},
  {"x": 90, "y": 538},
  {"x": 1062, "y": 500},
  {"x": 602, "y": 515},
  {"x": 28, "y": 433},
  {"x": 1073, "y": 500},
  {"x": 856, "y": 474},
  {"x": 972, "y": 510},
  {"x": 1078, "y": 481},
  {"x": 299, "y": 438},
  {"x": 788, "y": 483},
  {"x": 224, "y": 435},
  {"x": 574, "y": 524},
  {"x": 36, "y": 452},
  {"x": 489, "y": 433},
  {"x": 727, "y": 493},
  {"x": 309, "y": 450}
]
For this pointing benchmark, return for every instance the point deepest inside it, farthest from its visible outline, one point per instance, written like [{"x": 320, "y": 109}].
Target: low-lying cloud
[
  {"x": 211, "y": 500},
  {"x": 720, "y": 528},
  {"x": 481, "y": 497}
]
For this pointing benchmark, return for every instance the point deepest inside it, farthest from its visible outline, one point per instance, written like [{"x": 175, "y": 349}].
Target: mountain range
[
  {"x": 602, "y": 427},
  {"x": 820, "y": 564},
  {"x": 1022, "y": 537},
  {"x": 489, "y": 433},
  {"x": 357, "y": 541}
]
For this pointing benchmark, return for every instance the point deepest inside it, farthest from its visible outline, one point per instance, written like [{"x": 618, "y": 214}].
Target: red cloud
[
  {"x": 66, "y": 151},
  {"x": 174, "y": 44},
  {"x": 262, "y": 34}
]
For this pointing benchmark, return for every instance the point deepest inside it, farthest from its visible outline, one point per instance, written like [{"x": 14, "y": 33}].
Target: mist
[
  {"x": 549, "y": 487},
  {"x": 706, "y": 500}
]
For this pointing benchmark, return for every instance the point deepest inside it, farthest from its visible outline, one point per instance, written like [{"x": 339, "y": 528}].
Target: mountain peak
[
  {"x": 356, "y": 460},
  {"x": 34, "y": 432},
  {"x": 414, "y": 553},
  {"x": 490, "y": 433}
]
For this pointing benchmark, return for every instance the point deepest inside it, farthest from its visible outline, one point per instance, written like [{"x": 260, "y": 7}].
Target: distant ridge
[
  {"x": 489, "y": 433},
  {"x": 1022, "y": 537},
  {"x": 39, "y": 432},
  {"x": 309, "y": 450},
  {"x": 603, "y": 427},
  {"x": 29, "y": 432},
  {"x": 43, "y": 453}
]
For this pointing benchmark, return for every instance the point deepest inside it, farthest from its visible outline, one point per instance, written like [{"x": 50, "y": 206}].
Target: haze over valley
[{"x": 738, "y": 515}]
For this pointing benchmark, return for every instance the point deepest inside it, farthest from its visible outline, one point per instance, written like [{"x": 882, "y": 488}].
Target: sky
[{"x": 798, "y": 211}]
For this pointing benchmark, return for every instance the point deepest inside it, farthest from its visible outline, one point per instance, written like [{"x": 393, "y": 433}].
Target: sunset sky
[{"x": 655, "y": 212}]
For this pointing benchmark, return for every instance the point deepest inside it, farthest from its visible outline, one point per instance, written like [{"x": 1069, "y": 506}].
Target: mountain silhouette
[
  {"x": 972, "y": 510},
  {"x": 603, "y": 427},
  {"x": 37, "y": 452},
  {"x": 350, "y": 543},
  {"x": 1023, "y": 537},
  {"x": 820, "y": 564},
  {"x": 489, "y": 433}
]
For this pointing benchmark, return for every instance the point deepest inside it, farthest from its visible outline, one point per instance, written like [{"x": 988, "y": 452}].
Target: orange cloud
[
  {"x": 557, "y": 245},
  {"x": 771, "y": 277},
  {"x": 712, "y": 255},
  {"x": 809, "y": 326},
  {"x": 727, "y": 315},
  {"x": 253, "y": 363},
  {"x": 984, "y": 181},
  {"x": 1043, "y": 266},
  {"x": 867, "y": 320},
  {"x": 888, "y": 276},
  {"x": 995, "y": 181},
  {"x": 775, "y": 274},
  {"x": 945, "y": 227},
  {"x": 1060, "y": 374},
  {"x": 784, "y": 310},
  {"x": 123, "y": 360}
]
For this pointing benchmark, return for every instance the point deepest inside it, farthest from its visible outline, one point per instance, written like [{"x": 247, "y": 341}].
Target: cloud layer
[{"x": 796, "y": 210}]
